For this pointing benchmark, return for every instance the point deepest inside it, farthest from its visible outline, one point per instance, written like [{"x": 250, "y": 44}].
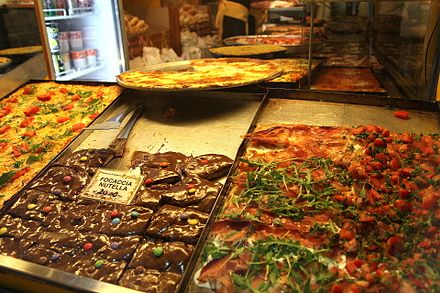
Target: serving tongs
[{"x": 118, "y": 145}]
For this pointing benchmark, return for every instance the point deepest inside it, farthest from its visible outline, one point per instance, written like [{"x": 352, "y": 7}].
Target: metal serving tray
[
  {"x": 191, "y": 123},
  {"x": 282, "y": 106}
]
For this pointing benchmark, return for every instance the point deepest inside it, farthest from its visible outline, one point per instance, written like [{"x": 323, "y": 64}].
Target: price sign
[{"x": 113, "y": 186}]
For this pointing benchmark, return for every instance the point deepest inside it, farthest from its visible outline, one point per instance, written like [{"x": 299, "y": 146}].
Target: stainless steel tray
[
  {"x": 326, "y": 109},
  {"x": 194, "y": 124}
]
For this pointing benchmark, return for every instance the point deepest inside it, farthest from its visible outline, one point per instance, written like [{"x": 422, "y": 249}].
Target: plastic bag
[
  {"x": 168, "y": 55},
  {"x": 151, "y": 56}
]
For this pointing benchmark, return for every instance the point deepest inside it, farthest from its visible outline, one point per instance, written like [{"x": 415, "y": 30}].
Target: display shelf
[
  {"x": 75, "y": 73},
  {"x": 68, "y": 13}
]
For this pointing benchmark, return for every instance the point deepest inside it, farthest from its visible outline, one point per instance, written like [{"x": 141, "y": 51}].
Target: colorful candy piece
[
  {"x": 67, "y": 179},
  {"x": 183, "y": 216},
  {"x": 31, "y": 206},
  {"x": 55, "y": 256},
  {"x": 192, "y": 190},
  {"x": 56, "y": 192},
  {"x": 134, "y": 214},
  {"x": 3, "y": 231},
  {"x": 157, "y": 251},
  {"x": 193, "y": 221},
  {"x": 116, "y": 221},
  {"x": 148, "y": 181},
  {"x": 99, "y": 263},
  {"x": 114, "y": 214},
  {"x": 164, "y": 164},
  {"x": 88, "y": 246},
  {"x": 114, "y": 245},
  {"x": 47, "y": 209},
  {"x": 83, "y": 159}
]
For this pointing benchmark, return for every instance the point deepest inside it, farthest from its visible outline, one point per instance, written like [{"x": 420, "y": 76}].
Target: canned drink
[
  {"x": 63, "y": 38},
  {"x": 65, "y": 58},
  {"x": 52, "y": 35},
  {"x": 76, "y": 40}
]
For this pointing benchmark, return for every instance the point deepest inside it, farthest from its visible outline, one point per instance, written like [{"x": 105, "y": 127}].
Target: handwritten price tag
[{"x": 113, "y": 186}]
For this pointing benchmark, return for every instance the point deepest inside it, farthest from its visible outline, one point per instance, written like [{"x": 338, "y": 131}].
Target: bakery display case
[
  {"x": 396, "y": 40},
  {"x": 323, "y": 178}
]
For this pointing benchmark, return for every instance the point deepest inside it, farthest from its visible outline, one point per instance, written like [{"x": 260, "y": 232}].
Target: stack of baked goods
[
  {"x": 134, "y": 25},
  {"x": 190, "y": 15}
]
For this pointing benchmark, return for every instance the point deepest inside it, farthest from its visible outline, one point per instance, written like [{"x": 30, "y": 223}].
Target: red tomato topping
[
  {"x": 29, "y": 133},
  {"x": 401, "y": 114},
  {"x": 13, "y": 100},
  {"x": 44, "y": 97},
  {"x": 28, "y": 90},
  {"x": 31, "y": 111},
  {"x": 20, "y": 173},
  {"x": 68, "y": 107},
  {"x": 346, "y": 234},
  {"x": 94, "y": 115},
  {"x": 429, "y": 200},
  {"x": 402, "y": 205},
  {"x": 5, "y": 111},
  {"x": 3, "y": 146},
  {"x": 99, "y": 94},
  {"x": 75, "y": 97},
  {"x": 63, "y": 90},
  {"x": 394, "y": 245},
  {"x": 62, "y": 119},
  {"x": 26, "y": 122},
  {"x": 78, "y": 126},
  {"x": 379, "y": 142},
  {"x": 16, "y": 152},
  {"x": 4, "y": 128},
  {"x": 395, "y": 163}
]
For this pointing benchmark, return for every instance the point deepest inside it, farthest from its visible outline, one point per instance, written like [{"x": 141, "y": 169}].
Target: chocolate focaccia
[
  {"x": 162, "y": 256},
  {"x": 210, "y": 166},
  {"x": 36, "y": 205},
  {"x": 190, "y": 191},
  {"x": 88, "y": 159},
  {"x": 160, "y": 167},
  {"x": 176, "y": 223},
  {"x": 64, "y": 182},
  {"x": 151, "y": 281}
]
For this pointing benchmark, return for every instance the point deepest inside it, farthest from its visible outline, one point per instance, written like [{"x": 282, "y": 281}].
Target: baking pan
[
  {"x": 294, "y": 44},
  {"x": 324, "y": 109},
  {"x": 366, "y": 91},
  {"x": 192, "y": 123},
  {"x": 100, "y": 118}
]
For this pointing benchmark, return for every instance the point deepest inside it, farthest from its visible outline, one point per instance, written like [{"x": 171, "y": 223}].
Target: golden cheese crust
[{"x": 203, "y": 74}]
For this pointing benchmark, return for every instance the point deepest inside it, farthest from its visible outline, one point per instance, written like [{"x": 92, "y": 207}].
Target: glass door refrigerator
[{"x": 82, "y": 39}]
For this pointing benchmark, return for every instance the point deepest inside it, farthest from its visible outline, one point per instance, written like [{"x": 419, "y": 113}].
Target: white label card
[{"x": 113, "y": 186}]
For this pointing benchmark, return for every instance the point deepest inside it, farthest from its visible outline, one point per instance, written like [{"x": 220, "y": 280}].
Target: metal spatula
[{"x": 118, "y": 144}]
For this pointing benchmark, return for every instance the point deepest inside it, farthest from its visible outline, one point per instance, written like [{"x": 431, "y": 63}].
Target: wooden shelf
[{"x": 20, "y": 5}]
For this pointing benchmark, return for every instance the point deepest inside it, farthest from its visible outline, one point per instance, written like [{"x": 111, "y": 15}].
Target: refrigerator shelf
[
  {"x": 68, "y": 14},
  {"x": 75, "y": 73}
]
